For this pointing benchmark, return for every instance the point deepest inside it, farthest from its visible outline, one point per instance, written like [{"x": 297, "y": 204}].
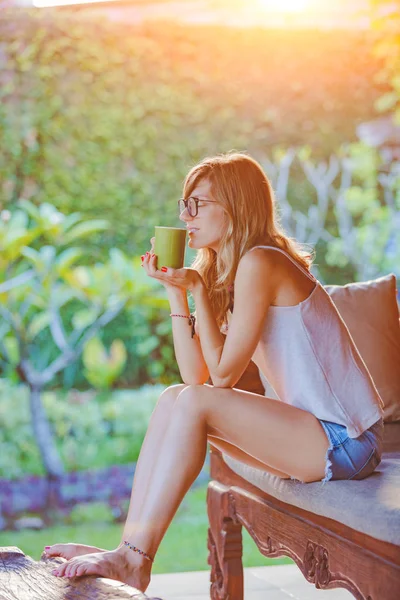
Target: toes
[
  {"x": 49, "y": 551},
  {"x": 77, "y": 569},
  {"x": 60, "y": 571},
  {"x": 54, "y": 550},
  {"x": 70, "y": 569},
  {"x": 67, "y": 571},
  {"x": 80, "y": 570}
]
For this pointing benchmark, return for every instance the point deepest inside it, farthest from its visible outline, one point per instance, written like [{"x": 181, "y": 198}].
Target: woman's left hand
[{"x": 184, "y": 278}]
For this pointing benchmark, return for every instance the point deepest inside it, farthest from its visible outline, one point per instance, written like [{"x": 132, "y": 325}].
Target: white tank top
[{"x": 308, "y": 356}]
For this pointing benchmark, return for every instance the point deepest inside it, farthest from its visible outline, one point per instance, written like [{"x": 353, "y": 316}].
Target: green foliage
[
  {"x": 371, "y": 238},
  {"x": 19, "y": 453},
  {"x": 101, "y": 367},
  {"x": 91, "y": 432},
  {"x": 117, "y": 113},
  {"x": 386, "y": 22},
  {"x": 53, "y": 300}
]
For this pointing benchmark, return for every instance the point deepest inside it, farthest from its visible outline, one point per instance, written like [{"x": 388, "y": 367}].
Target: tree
[
  {"x": 386, "y": 22},
  {"x": 355, "y": 218},
  {"x": 39, "y": 277}
]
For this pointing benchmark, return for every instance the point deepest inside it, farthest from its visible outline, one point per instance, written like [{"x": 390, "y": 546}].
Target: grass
[{"x": 184, "y": 547}]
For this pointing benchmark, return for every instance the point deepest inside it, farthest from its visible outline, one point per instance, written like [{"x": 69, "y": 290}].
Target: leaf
[
  {"x": 154, "y": 301},
  {"x": 93, "y": 353},
  {"x": 71, "y": 220},
  {"x": 396, "y": 117},
  {"x": 17, "y": 238},
  {"x": 37, "y": 324},
  {"x": 358, "y": 200},
  {"x": 66, "y": 259},
  {"x": 335, "y": 255},
  {"x": 118, "y": 355},
  {"x": 14, "y": 235},
  {"x": 29, "y": 208},
  {"x": 84, "y": 229},
  {"x": 84, "y": 318},
  {"x": 48, "y": 253},
  {"x": 49, "y": 214},
  {"x": 387, "y": 101},
  {"x": 12, "y": 348},
  {"x": 63, "y": 294},
  {"x": 18, "y": 221},
  {"x": 164, "y": 328},
  {"x": 304, "y": 153},
  {"x": 34, "y": 257},
  {"x": 395, "y": 82},
  {"x": 80, "y": 277},
  {"x": 147, "y": 346},
  {"x": 102, "y": 368}
]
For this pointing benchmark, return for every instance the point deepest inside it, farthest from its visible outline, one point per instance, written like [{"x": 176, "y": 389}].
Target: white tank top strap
[{"x": 310, "y": 275}]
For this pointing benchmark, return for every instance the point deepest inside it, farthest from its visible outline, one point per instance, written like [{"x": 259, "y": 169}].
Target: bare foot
[
  {"x": 120, "y": 564},
  {"x": 69, "y": 551}
]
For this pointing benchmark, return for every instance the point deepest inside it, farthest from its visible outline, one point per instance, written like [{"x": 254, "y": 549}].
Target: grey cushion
[{"x": 370, "y": 505}]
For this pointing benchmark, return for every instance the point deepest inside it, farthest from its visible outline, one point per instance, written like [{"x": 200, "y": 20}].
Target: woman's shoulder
[
  {"x": 280, "y": 259},
  {"x": 291, "y": 281},
  {"x": 259, "y": 258},
  {"x": 272, "y": 266}
]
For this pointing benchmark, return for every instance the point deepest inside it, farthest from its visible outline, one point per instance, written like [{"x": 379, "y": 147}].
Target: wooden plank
[{"x": 22, "y": 578}]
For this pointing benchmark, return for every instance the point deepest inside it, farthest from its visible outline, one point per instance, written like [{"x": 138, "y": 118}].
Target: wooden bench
[
  {"x": 22, "y": 578},
  {"x": 340, "y": 534}
]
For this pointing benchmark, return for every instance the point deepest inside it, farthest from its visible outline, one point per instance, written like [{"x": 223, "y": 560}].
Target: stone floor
[{"x": 279, "y": 582}]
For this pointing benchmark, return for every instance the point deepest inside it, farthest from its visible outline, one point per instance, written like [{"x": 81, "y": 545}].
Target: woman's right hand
[{"x": 149, "y": 265}]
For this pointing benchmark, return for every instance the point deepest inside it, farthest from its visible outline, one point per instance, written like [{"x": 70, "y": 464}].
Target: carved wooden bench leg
[{"x": 224, "y": 544}]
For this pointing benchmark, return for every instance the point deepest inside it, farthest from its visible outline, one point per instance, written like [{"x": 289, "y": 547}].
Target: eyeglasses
[{"x": 192, "y": 205}]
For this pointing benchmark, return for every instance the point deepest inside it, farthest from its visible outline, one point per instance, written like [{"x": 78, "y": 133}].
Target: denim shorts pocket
[{"x": 369, "y": 467}]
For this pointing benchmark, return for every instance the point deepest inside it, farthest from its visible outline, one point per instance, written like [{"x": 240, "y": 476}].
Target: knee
[
  {"x": 191, "y": 397},
  {"x": 169, "y": 395}
]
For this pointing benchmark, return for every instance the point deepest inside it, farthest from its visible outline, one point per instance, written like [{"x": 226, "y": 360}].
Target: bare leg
[
  {"x": 179, "y": 462},
  {"x": 149, "y": 452},
  {"x": 270, "y": 431},
  {"x": 237, "y": 453},
  {"x": 146, "y": 470}
]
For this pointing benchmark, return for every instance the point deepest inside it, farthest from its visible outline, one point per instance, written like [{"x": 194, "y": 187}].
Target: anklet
[{"x": 139, "y": 551}]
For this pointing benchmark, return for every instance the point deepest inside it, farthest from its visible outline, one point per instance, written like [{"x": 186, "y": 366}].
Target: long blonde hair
[{"x": 240, "y": 186}]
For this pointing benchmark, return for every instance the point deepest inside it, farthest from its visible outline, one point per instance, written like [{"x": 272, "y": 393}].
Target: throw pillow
[{"x": 371, "y": 313}]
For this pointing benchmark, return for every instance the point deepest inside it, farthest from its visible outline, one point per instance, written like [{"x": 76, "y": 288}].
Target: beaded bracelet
[
  {"x": 192, "y": 320},
  {"x": 139, "y": 551}
]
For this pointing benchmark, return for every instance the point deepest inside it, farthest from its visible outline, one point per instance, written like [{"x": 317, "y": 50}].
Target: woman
[{"x": 327, "y": 423}]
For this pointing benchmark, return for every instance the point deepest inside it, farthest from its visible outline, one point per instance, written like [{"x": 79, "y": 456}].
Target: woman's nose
[{"x": 184, "y": 216}]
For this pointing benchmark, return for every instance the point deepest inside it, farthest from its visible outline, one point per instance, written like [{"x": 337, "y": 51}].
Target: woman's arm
[
  {"x": 212, "y": 340},
  {"x": 254, "y": 292},
  {"x": 188, "y": 353}
]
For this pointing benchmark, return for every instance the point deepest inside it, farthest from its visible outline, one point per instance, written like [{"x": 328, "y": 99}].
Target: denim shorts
[{"x": 352, "y": 458}]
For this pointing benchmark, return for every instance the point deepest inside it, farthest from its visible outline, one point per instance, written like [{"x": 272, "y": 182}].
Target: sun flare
[{"x": 285, "y": 5}]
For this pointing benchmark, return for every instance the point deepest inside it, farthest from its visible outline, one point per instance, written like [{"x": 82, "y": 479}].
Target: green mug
[{"x": 170, "y": 246}]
